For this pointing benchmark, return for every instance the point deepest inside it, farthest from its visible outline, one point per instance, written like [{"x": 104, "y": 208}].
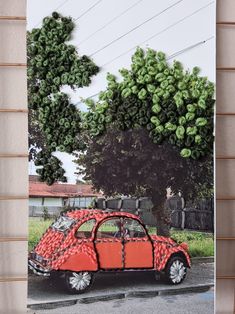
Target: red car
[{"x": 82, "y": 242}]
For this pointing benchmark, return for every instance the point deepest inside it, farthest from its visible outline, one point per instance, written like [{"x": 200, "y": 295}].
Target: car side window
[
  {"x": 133, "y": 229},
  {"x": 85, "y": 230},
  {"x": 110, "y": 228}
]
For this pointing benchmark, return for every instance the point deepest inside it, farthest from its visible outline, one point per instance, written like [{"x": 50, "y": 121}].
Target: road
[
  {"x": 43, "y": 290},
  {"x": 192, "y": 303}
]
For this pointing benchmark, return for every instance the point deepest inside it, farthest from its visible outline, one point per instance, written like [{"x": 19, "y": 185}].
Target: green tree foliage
[
  {"x": 172, "y": 104},
  {"x": 52, "y": 64}
]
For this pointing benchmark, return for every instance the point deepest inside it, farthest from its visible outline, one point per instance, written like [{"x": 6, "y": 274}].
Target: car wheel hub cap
[
  {"x": 177, "y": 271},
  {"x": 80, "y": 281}
]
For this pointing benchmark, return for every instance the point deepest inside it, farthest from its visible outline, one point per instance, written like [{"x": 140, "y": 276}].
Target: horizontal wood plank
[
  {"x": 12, "y": 64},
  {"x": 225, "y": 198},
  {"x": 13, "y": 197},
  {"x": 14, "y": 110},
  {"x": 14, "y": 155},
  {"x": 225, "y": 23},
  {"x": 13, "y": 279},
  {"x": 13, "y": 18},
  {"x": 225, "y": 68},
  {"x": 13, "y": 239}
]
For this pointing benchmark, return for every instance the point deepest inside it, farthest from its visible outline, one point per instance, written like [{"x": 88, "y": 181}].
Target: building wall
[
  {"x": 53, "y": 202},
  {"x": 35, "y": 201},
  {"x": 82, "y": 202},
  {"x": 13, "y": 158},
  {"x": 225, "y": 158},
  {"x": 47, "y": 201}
]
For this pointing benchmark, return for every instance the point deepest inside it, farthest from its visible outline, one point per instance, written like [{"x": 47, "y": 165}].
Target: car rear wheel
[
  {"x": 78, "y": 282},
  {"x": 176, "y": 270}
]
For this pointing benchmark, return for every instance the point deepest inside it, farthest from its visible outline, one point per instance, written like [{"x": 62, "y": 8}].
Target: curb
[
  {"x": 137, "y": 294},
  {"x": 199, "y": 260}
]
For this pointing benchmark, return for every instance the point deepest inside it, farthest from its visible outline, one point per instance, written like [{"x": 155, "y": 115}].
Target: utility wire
[
  {"x": 159, "y": 33},
  {"x": 136, "y": 27},
  {"x": 59, "y": 6},
  {"x": 88, "y": 10},
  {"x": 189, "y": 48},
  {"x": 181, "y": 20},
  {"x": 172, "y": 56},
  {"x": 110, "y": 22}
]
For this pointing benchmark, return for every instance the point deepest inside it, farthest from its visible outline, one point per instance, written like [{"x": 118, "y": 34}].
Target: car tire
[
  {"x": 78, "y": 282},
  {"x": 176, "y": 270}
]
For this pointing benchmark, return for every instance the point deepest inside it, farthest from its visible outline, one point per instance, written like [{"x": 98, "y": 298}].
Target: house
[{"x": 60, "y": 194}]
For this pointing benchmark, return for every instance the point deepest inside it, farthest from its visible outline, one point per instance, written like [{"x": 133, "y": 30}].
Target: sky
[{"x": 109, "y": 31}]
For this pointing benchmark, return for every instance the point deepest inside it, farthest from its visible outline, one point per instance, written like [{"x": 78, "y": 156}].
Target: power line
[
  {"x": 110, "y": 22},
  {"x": 136, "y": 27},
  {"x": 88, "y": 10},
  {"x": 159, "y": 33},
  {"x": 181, "y": 20},
  {"x": 172, "y": 56},
  {"x": 59, "y": 6},
  {"x": 189, "y": 48}
]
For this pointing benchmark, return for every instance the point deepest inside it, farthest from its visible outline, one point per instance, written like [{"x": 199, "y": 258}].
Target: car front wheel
[
  {"x": 176, "y": 270},
  {"x": 78, "y": 282}
]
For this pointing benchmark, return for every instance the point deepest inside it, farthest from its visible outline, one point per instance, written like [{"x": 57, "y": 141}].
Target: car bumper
[{"x": 38, "y": 269}]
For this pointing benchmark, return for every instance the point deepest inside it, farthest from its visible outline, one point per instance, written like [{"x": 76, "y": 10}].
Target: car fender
[
  {"x": 163, "y": 253},
  {"x": 77, "y": 258}
]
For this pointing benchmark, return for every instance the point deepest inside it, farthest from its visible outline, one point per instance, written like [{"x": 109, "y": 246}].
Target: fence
[{"x": 199, "y": 217}]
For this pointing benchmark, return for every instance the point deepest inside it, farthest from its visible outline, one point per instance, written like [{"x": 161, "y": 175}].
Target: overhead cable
[
  {"x": 159, "y": 33},
  {"x": 59, "y": 6},
  {"x": 110, "y": 22},
  {"x": 88, "y": 10},
  {"x": 135, "y": 28},
  {"x": 156, "y": 34}
]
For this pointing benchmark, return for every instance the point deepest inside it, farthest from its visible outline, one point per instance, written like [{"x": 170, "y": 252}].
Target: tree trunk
[{"x": 163, "y": 217}]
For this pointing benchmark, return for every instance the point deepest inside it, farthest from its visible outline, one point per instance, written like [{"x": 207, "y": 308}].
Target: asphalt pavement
[
  {"x": 46, "y": 293},
  {"x": 192, "y": 303}
]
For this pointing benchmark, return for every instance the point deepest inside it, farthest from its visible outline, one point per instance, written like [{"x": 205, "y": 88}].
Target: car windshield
[{"x": 63, "y": 223}]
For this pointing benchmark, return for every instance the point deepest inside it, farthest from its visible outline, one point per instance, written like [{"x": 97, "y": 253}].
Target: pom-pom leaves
[
  {"x": 52, "y": 63},
  {"x": 173, "y": 104}
]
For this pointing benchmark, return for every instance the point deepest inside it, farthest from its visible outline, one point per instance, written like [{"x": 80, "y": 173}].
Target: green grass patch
[
  {"x": 200, "y": 243},
  {"x": 37, "y": 226}
]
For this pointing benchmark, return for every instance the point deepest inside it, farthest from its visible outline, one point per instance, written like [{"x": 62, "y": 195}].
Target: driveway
[{"x": 45, "y": 292}]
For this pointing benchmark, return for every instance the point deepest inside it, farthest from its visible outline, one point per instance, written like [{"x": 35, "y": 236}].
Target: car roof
[{"x": 81, "y": 214}]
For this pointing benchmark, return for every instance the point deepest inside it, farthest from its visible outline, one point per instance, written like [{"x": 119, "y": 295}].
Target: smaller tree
[{"x": 54, "y": 120}]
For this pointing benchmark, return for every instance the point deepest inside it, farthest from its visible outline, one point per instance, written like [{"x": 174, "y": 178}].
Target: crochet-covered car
[{"x": 82, "y": 242}]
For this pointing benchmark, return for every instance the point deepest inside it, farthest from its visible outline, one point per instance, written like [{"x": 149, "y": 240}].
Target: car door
[
  {"x": 138, "y": 248},
  {"x": 109, "y": 244}
]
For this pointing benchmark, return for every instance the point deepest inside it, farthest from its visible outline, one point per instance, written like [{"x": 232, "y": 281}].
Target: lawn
[{"x": 200, "y": 243}]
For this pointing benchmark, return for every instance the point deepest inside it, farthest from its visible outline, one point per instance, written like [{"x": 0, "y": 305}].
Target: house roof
[{"x": 40, "y": 189}]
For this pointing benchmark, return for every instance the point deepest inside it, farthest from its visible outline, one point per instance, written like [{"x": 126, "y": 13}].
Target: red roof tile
[{"x": 40, "y": 189}]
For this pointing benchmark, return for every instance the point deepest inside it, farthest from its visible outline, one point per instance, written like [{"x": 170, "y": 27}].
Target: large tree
[
  {"x": 129, "y": 163},
  {"x": 150, "y": 131},
  {"x": 54, "y": 122}
]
